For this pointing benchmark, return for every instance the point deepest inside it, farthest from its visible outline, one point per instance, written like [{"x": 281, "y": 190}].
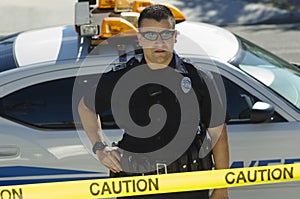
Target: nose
[{"x": 159, "y": 40}]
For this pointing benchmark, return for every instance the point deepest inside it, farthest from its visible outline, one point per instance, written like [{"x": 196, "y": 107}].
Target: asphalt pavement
[
  {"x": 280, "y": 39},
  {"x": 274, "y": 29},
  {"x": 234, "y": 12},
  {"x": 19, "y": 15}
]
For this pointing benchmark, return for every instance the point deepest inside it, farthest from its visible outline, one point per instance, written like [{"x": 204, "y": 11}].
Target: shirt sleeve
[
  {"x": 215, "y": 99},
  {"x": 98, "y": 98},
  {"x": 211, "y": 98}
]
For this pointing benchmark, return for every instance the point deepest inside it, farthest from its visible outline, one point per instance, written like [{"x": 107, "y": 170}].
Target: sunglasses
[{"x": 153, "y": 36}]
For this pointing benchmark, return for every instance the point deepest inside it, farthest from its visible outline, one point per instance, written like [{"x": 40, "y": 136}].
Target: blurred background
[{"x": 272, "y": 24}]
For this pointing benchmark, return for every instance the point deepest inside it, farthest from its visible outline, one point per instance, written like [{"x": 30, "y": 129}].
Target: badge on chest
[{"x": 186, "y": 84}]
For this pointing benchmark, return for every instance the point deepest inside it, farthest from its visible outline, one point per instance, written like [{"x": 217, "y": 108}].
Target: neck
[
  {"x": 154, "y": 66},
  {"x": 157, "y": 66}
]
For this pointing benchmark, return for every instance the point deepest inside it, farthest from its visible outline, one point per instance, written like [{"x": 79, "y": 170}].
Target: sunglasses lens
[
  {"x": 152, "y": 36},
  {"x": 167, "y": 34}
]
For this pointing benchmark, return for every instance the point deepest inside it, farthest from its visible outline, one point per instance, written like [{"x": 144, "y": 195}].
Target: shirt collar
[{"x": 176, "y": 63}]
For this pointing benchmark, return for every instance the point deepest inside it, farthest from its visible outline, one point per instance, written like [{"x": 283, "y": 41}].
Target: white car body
[{"x": 31, "y": 154}]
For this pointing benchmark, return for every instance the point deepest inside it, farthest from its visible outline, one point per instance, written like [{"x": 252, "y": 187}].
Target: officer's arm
[
  {"x": 220, "y": 146},
  {"x": 221, "y": 155},
  {"x": 90, "y": 122},
  {"x": 109, "y": 156}
]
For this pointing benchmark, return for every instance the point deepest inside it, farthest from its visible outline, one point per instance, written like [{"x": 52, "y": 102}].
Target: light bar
[
  {"x": 112, "y": 26},
  {"x": 89, "y": 30},
  {"x": 106, "y": 4},
  {"x": 179, "y": 16},
  {"x": 123, "y": 5},
  {"x": 139, "y": 5}
]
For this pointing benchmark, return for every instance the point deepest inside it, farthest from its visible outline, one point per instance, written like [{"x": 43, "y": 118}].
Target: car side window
[
  {"x": 239, "y": 104},
  {"x": 48, "y": 105}
]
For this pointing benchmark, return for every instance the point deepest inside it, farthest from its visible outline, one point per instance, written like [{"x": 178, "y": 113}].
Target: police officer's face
[{"x": 158, "y": 48}]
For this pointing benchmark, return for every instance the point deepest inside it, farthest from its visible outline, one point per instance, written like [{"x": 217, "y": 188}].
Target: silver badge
[{"x": 186, "y": 84}]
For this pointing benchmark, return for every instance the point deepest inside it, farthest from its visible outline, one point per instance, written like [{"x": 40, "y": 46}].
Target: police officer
[{"x": 157, "y": 36}]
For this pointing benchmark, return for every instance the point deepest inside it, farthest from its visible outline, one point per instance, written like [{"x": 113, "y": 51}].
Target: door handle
[{"x": 6, "y": 151}]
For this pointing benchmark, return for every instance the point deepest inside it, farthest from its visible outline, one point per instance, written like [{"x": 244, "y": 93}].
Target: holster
[
  {"x": 137, "y": 163},
  {"x": 204, "y": 152}
]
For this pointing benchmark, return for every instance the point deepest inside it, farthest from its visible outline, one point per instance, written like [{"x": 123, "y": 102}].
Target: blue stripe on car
[
  {"x": 27, "y": 171},
  {"x": 72, "y": 45},
  {"x": 35, "y": 181},
  {"x": 17, "y": 171}
]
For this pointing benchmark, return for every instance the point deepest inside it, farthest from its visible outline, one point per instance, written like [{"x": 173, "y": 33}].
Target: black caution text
[
  {"x": 124, "y": 186},
  {"x": 11, "y": 194},
  {"x": 259, "y": 175}
]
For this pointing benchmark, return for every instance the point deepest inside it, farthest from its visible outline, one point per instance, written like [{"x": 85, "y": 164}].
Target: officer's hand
[
  {"x": 219, "y": 194},
  {"x": 110, "y": 157}
]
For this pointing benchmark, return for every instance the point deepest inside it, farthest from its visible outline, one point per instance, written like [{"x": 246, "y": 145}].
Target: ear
[
  {"x": 176, "y": 33},
  {"x": 140, "y": 39}
]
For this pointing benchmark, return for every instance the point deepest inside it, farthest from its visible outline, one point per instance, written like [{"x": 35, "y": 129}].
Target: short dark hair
[{"x": 157, "y": 12}]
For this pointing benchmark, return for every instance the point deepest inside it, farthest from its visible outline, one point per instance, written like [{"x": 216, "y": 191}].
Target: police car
[{"x": 43, "y": 74}]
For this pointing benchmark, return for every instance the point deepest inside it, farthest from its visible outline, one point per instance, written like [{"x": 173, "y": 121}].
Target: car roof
[{"x": 46, "y": 45}]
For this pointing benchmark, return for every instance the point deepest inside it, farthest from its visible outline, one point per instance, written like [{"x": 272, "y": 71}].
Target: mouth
[{"x": 159, "y": 51}]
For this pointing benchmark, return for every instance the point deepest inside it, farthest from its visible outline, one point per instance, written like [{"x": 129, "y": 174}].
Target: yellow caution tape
[{"x": 154, "y": 184}]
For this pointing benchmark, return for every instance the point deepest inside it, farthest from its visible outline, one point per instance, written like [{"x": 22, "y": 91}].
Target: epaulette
[
  {"x": 131, "y": 62},
  {"x": 180, "y": 65},
  {"x": 119, "y": 67},
  {"x": 186, "y": 60}
]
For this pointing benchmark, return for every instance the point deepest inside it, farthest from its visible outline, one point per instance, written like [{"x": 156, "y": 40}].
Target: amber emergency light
[
  {"x": 179, "y": 16},
  {"x": 106, "y": 4},
  {"x": 123, "y": 6},
  {"x": 112, "y": 26},
  {"x": 139, "y": 5}
]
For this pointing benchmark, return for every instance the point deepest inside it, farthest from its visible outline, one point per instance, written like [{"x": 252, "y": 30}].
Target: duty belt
[{"x": 189, "y": 161}]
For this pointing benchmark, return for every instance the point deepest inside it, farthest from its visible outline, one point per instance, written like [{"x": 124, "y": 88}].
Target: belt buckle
[{"x": 161, "y": 166}]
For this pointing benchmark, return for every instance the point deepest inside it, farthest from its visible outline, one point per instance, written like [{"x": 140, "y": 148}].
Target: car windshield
[{"x": 275, "y": 73}]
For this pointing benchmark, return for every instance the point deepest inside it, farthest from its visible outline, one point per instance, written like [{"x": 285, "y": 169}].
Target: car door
[
  {"x": 39, "y": 140},
  {"x": 273, "y": 141}
]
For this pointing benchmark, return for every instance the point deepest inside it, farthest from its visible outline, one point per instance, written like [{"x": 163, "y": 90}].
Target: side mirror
[{"x": 261, "y": 112}]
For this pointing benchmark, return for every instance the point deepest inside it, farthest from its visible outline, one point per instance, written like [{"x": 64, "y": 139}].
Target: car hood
[{"x": 206, "y": 40}]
